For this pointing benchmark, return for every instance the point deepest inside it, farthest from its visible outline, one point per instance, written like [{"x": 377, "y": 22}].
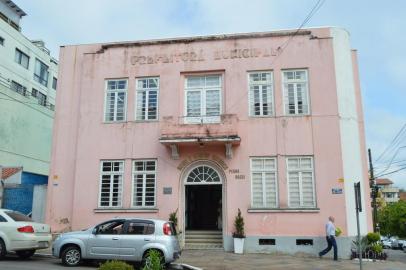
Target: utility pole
[{"x": 374, "y": 191}]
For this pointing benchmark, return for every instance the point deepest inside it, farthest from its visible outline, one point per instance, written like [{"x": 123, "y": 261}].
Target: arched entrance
[{"x": 203, "y": 198}]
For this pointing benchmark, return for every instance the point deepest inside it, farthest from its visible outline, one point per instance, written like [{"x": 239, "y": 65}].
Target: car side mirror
[{"x": 94, "y": 231}]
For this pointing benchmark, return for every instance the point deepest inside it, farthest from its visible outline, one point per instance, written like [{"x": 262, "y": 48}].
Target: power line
[
  {"x": 393, "y": 142},
  {"x": 395, "y": 171},
  {"x": 393, "y": 157}
]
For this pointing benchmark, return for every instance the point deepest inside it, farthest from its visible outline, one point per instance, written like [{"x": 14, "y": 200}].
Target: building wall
[
  {"x": 81, "y": 139},
  {"x": 25, "y": 125}
]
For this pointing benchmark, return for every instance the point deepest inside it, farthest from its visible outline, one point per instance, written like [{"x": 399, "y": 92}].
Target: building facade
[
  {"x": 390, "y": 194},
  {"x": 269, "y": 123},
  {"x": 28, "y": 78}
]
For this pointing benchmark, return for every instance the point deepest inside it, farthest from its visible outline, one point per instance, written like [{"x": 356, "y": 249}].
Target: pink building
[{"x": 270, "y": 123}]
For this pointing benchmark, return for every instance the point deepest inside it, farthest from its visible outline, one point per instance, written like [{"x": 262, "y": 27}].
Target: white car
[{"x": 21, "y": 234}]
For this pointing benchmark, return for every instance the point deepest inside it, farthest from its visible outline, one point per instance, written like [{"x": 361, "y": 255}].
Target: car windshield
[{"x": 17, "y": 216}]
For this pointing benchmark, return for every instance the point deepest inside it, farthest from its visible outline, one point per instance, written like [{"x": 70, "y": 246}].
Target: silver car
[{"x": 127, "y": 239}]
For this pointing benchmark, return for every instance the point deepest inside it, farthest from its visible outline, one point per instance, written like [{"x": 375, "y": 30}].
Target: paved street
[{"x": 218, "y": 260}]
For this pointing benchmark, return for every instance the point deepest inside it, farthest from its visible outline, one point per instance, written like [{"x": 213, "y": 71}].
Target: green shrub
[
  {"x": 373, "y": 237},
  {"x": 239, "y": 226},
  {"x": 153, "y": 261},
  {"x": 115, "y": 265},
  {"x": 173, "y": 217},
  {"x": 376, "y": 247}
]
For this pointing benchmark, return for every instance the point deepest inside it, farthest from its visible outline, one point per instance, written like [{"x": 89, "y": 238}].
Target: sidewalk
[{"x": 219, "y": 260}]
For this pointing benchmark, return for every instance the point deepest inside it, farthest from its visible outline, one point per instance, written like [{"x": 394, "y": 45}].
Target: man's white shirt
[{"x": 330, "y": 229}]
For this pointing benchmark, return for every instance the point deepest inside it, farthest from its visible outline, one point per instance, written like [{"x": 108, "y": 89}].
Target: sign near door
[{"x": 236, "y": 173}]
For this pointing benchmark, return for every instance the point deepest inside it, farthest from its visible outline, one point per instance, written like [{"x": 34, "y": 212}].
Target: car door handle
[
  {"x": 147, "y": 239},
  {"x": 115, "y": 238}
]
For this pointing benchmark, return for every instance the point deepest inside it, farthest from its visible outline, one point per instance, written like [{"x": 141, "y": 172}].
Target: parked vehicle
[
  {"x": 128, "y": 239},
  {"x": 19, "y": 233},
  {"x": 387, "y": 244}
]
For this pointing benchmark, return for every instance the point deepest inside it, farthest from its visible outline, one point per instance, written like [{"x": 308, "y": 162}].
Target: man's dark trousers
[{"x": 331, "y": 242}]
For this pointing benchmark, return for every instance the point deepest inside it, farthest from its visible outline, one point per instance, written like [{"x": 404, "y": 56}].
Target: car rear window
[
  {"x": 17, "y": 216},
  {"x": 140, "y": 228}
]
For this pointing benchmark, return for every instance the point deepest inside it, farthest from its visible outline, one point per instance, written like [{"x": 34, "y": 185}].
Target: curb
[{"x": 187, "y": 266}]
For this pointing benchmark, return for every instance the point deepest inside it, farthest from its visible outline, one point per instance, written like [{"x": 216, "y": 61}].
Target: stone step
[
  {"x": 204, "y": 246},
  {"x": 203, "y": 236},
  {"x": 194, "y": 232},
  {"x": 204, "y": 241}
]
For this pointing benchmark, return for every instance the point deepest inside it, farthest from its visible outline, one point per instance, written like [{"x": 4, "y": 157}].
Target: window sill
[
  {"x": 283, "y": 210},
  {"x": 126, "y": 210}
]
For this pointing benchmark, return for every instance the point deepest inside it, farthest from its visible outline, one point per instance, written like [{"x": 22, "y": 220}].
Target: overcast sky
[{"x": 376, "y": 27}]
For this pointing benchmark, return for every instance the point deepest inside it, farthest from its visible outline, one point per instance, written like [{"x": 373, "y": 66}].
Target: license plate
[{"x": 43, "y": 244}]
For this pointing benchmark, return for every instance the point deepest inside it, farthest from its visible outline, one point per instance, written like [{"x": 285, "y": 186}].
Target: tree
[{"x": 392, "y": 219}]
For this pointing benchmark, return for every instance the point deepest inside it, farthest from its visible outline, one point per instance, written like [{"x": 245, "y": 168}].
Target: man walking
[{"x": 330, "y": 237}]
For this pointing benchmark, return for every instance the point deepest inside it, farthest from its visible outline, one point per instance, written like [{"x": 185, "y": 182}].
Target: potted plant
[{"x": 239, "y": 234}]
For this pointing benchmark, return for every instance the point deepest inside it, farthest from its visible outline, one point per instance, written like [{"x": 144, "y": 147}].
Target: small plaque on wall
[
  {"x": 167, "y": 190},
  {"x": 337, "y": 191}
]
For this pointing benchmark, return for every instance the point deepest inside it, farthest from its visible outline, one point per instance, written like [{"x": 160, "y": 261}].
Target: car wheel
[
  {"x": 25, "y": 254},
  {"x": 2, "y": 249},
  {"x": 71, "y": 256}
]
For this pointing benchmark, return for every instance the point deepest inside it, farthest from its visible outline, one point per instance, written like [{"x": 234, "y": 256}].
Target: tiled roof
[
  {"x": 9, "y": 171},
  {"x": 383, "y": 181}
]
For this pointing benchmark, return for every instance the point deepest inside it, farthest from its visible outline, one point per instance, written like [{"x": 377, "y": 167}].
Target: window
[
  {"x": 111, "y": 227},
  {"x": 116, "y": 100},
  {"x": 147, "y": 98},
  {"x": 1, "y": 41},
  {"x": 263, "y": 182},
  {"x": 54, "y": 83},
  {"x": 144, "y": 178},
  {"x": 261, "y": 94},
  {"x": 203, "y": 99},
  {"x": 300, "y": 182},
  {"x": 140, "y": 228},
  {"x": 15, "y": 86},
  {"x": 34, "y": 92},
  {"x": 17, "y": 216},
  {"x": 51, "y": 107},
  {"x": 295, "y": 89},
  {"x": 41, "y": 72},
  {"x": 42, "y": 99},
  {"x": 21, "y": 58},
  {"x": 111, "y": 183},
  {"x": 2, "y": 219}
]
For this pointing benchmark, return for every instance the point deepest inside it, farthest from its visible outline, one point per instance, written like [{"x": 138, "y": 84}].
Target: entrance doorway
[{"x": 203, "y": 207}]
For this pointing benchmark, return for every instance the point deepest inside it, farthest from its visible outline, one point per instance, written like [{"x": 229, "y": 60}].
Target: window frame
[
  {"x": 285, "y": 93},
  {"x": 116, "y": 91},
  {"x": 2, "y": 39},
  {"x": 144, "y": 173},
  {"x": 215, "y": 119},
  {"x": 21, "y": 89},
  {"x": 111, "y": 173},
  {"x": 300, "y": 170},
  {"x": 272, "y": 93},
  {"x": 54, "y": 82},
  {"x": 18, "y": 56},
  {"x": 263, "y": 171},
  {"x": 147, "y": 90},
  {"x": 37, "y": 77}
]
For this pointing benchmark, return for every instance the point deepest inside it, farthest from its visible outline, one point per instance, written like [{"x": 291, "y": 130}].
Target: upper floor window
[
  {"x": 260, "y": 94},
  {"x": 263, "y": 182},
  {"x": 296, "y": 93},
  {"x": 1, "y": 41},
  {"x": 41, "y": 72},
  {"x": 115, "y": 101},
  {"x": 144, "y": 178},
  {"x": 42, "y": 99},
  {"x": 147, "y": 98},
  {"x": 301, "y": 182},
  {"x": 15, "y": 86},
  {"x": 21, "y": 58},
  {"x": 111, "y": 183},
  {"x": 54, "y": 83},
  {"x": 203, "y": 99}
]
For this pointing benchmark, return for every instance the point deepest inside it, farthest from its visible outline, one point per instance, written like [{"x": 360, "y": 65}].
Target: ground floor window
[
  {"x": 144, "y": 183},
  {"x": 301, "y": 181},
  {"x": 111, "y": 183},
  {"x": 263, "y": 182}
]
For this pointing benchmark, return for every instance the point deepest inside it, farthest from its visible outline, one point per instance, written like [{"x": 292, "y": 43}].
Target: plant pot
[{"x": 239, "y": 245}]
